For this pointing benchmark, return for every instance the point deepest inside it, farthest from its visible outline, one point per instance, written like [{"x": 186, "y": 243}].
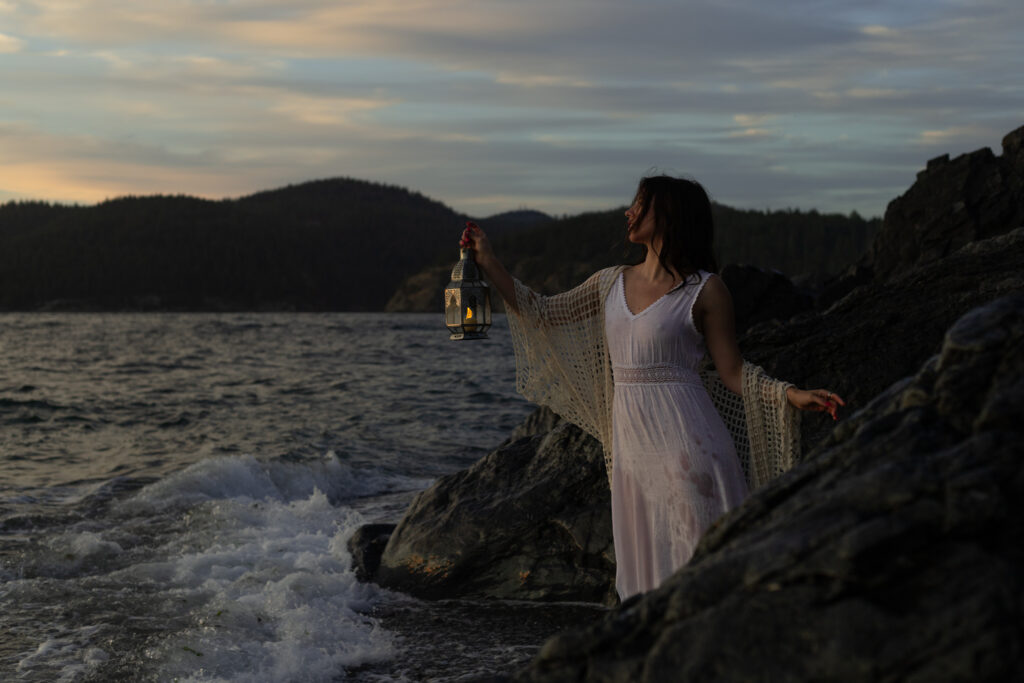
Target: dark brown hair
[{"x": 682, "y": 219}]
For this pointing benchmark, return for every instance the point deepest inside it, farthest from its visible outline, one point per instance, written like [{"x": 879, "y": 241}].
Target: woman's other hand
[
  {"x": 819, "y": 400},
  {"x": 476, "y": 239}
]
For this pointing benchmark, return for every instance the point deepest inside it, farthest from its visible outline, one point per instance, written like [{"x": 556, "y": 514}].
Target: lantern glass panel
[
  {"x": 467, "y": 301},
  {"x": 453, "y": 307},
  {"x": 472, "y": 315}
]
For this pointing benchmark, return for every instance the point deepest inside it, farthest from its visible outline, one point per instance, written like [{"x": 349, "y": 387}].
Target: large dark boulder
[
  {"x": 953, "y": 202},
  {"x": 531, "y": 520},
  {"x": 885, "y": 330},
  {"x": 895, "y": 553}
]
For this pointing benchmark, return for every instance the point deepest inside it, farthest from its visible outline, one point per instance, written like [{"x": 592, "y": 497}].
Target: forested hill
[
  {"x": 338, "y": 244},
  {"x": 558, "y": 255}
]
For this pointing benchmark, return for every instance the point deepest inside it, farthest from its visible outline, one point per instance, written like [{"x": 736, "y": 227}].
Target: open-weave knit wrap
[{"x": 562, "y": 362}]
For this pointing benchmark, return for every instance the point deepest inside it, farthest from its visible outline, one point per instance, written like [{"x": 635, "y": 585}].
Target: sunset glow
[{"x": 493, "y": 105}]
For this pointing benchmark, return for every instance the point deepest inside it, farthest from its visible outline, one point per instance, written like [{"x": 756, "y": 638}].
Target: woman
[{"x": 620, "y": 356}]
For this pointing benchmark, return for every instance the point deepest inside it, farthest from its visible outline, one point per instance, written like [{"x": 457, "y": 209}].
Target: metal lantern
[{"x": 467, "y": 300}]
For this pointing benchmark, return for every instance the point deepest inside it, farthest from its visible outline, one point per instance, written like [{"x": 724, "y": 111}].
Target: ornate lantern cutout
[{"x": 467, "y": 300}]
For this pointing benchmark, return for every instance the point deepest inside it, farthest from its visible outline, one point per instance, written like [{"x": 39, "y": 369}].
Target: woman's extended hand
[
  {"x": 474, "y": 238},
  {"x": 820, "y": 400}
]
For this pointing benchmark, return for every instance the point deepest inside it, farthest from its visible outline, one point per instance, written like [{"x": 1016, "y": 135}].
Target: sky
[{"x": 493, "y": 105}]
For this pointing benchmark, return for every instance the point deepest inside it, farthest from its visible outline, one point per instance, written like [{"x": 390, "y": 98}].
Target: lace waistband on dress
[{"x": 655, "y": 374}]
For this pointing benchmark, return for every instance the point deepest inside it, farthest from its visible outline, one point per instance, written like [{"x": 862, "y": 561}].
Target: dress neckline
[{"x": 625, "y": 303}]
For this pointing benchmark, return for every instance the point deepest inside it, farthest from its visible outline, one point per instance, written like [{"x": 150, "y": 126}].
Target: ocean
[{"x": 177, "y": 491}]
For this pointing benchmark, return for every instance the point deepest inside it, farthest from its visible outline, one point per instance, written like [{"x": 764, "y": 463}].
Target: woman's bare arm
[
  {"x": 713, "y": 314},
  {"x": 714, "y": 317},
  {"x": 580, "y": 303}
]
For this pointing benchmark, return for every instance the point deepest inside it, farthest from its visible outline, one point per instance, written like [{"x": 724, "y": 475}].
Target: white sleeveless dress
[{"x": 675, "y": 467}]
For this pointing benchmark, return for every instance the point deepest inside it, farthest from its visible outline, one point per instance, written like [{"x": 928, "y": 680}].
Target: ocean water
[{"x": 177, "y": 490}]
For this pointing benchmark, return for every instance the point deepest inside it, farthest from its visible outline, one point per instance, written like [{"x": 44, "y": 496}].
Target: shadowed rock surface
[
  {"x": 760, "y": 295},
  {"x": 884, "y": 331},
  {"x": 366, "y": 546},
  {"x": 895, "y": 553},
  {"x": 531, "y": 520}
]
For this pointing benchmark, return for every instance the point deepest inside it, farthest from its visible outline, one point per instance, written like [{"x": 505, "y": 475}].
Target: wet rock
[
  {"x": 366, "y": 546},
  {"x": 894, "y": 553},
  {"x": 531, "y": 520}
]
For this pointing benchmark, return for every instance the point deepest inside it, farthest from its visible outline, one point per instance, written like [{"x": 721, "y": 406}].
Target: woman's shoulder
[
  {"x": 613, "y": 270},
  {"x": 713, "y": 289},
  {"x": 607, "y": 274}
]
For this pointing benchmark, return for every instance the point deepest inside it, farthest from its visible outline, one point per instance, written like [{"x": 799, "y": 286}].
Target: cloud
[
  {"x": 541, "y": 80},
  {"x": 947, "y": 135},
  {"x": 10, "y": 44},
  {"x": 879, "y": 31},
  {"x": 86, "y": 169},
  {"x": 751, "y": 134},
  {"x": 752, "y": 119},
  {"x": 323, "y": 111}
]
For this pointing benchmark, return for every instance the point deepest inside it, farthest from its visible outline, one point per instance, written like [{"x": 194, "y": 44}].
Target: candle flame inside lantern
[{"x": 469, "y": 312}]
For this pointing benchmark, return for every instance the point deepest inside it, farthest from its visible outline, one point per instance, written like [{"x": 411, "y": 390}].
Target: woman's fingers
[
  {"x": 470, "y": 234},
  {"x": 832, "y": 403},
  {"x": 826, "y": 401}
]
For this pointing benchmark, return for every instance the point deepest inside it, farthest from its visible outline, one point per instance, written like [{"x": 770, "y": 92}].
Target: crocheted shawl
[{"x": 562, "y": 362}]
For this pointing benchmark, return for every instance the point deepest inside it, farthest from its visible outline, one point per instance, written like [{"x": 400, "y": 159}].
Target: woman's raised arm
[{"x": 475, "y": 238}]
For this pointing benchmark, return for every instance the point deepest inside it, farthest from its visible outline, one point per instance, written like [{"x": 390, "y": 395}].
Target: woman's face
[{"x": 639, "y": 231}]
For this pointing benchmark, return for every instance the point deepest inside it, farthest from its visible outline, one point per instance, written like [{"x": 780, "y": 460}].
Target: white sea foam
[
  {"x": 247, "y": 578},
  {"x": 64, "y": 657},
  {"x": 246, "y": 477},
  {"x": 84, "y": 545},
  {"x": 269, "y": 593}
]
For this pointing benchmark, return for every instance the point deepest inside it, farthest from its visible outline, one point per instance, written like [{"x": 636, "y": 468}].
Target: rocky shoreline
[{"x": 891, "y": 552}]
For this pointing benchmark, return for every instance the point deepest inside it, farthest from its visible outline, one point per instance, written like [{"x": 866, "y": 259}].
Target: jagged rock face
[
  {"x": 883, "y": 331},
  {"x": 760, "y": 295},
  {"x": 953, "y": 202},
  {"x": 531, "y": 520},
  {"x": 895, "y": 554}
]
